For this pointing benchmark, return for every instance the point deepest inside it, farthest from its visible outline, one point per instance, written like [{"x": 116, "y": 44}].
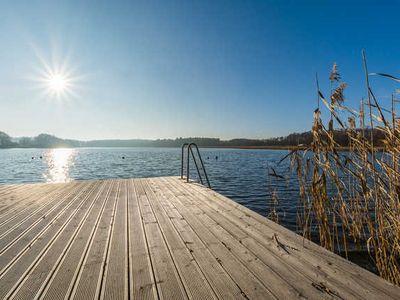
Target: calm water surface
[{"x": 239, "y": 174}]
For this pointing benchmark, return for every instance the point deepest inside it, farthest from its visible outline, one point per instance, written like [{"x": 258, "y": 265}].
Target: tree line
[{"x": 294, "y": 139}]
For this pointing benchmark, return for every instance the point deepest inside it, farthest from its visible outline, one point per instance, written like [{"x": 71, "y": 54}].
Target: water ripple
[{"x": 238, "y": 174}]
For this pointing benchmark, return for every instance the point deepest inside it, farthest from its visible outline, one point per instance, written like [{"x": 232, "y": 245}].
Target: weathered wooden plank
[
  {"x": 60, "y": 284},
  {"x": 26, "y": 197},
  {"x": 19, "y": 240},
  {"x": 169, "y": 285},
  {"x": 222, "y": 283},
  {"x": 13, "y": 230},
  {"x": 314, "y": 266},
  {"x": 26, "y": 239},
  {"x": 316, "y": 254},
  {"x": 48, "y": 262},
  {"x": 8, "y": 193},
  {"x": 141, "y": 277},
  {"x": 5, "y": 187},
  {"x": 116, "y": 269},
  {"x": 88, "y": 282},
  {"x": 244, "y": 278},
  {"x": 10, "y": 189},
  {"x": 264, "y": 271},
  {"x": 22, "y": 197},
  {"x": 15, "y": 271},
  {"x": 284, "y": 281},
  {"x": 23, "y": 201},
  {"x": 190, "y": 273},
  {"x": 247, "y": 238}
]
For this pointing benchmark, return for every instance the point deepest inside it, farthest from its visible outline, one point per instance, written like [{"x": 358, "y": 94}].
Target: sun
[
  {"x": 56, "y": 78},
  {"x": 57, "y": 83}
]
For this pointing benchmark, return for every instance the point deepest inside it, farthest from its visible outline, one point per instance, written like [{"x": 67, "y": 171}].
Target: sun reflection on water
[{"x": 59, "y": 163}]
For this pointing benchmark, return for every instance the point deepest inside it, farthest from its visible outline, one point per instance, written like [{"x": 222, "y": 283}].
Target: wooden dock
[{"x": 160, "y": 238}]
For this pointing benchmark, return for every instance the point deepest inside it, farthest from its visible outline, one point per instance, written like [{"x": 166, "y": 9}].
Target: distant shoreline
[
  {"x": 289, "y": 148},
  {"x": 294, "y": 141},
  {"x": 176, "y": 147}
]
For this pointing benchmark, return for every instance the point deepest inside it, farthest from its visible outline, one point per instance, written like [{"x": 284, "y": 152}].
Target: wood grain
[{"x": 160, "y": 238}]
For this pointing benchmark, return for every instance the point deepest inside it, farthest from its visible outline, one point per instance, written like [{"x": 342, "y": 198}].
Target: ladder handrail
[
  {"x": 201, "y": 162},
  {"x": 190, "y": 152},
  {"x": 182, "y": 157}
]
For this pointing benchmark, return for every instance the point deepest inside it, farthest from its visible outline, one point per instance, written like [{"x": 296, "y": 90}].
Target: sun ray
[{"x": 56, "y": 78}]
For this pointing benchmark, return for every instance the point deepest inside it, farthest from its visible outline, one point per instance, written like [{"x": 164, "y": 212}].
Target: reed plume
[{"x": 353, "y": 197}]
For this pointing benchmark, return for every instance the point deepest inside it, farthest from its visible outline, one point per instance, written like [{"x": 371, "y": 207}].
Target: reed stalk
[{"x": 353, "y": 197}]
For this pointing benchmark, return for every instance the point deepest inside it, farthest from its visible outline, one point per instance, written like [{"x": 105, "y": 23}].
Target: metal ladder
[{"x": 190, "y": 152}]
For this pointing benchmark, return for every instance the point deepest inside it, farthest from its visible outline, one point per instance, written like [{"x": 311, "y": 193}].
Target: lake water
[{"x": 238, "y": 174}]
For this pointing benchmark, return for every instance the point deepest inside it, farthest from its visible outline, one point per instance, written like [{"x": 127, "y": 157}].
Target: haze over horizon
[{"x": 228, "y": 69}]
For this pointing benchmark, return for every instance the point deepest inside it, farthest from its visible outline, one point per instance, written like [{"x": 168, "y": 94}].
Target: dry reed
[{"x": 353, "y": 197}]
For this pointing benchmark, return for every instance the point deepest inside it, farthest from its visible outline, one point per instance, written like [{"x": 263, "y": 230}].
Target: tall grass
[{"x": 352, "y": 197}]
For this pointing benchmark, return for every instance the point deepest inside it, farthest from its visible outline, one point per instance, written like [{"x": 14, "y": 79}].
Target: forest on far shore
[{"x": 293, "y": 139}]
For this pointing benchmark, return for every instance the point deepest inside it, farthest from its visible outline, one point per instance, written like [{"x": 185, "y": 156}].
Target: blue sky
[{"x": 165, "y": 69}]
